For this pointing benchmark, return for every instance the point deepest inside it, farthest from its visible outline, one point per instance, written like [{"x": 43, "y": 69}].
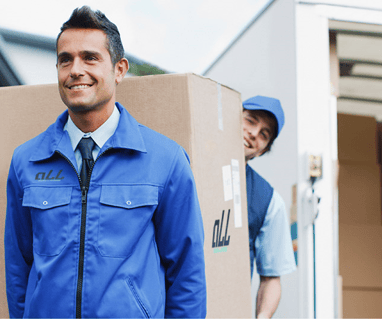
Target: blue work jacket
[{"x": 128, "y": 245}]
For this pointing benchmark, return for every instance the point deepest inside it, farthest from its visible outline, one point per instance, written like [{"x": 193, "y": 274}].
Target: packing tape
[
  {"x": 220, "y": 107},
  {"x": 236, "y": 193}
]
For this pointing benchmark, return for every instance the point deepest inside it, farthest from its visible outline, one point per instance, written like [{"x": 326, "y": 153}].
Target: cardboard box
[
  {"x": 379, "y": 151},
  {"x": 359, "y": 193},
  {"x": 357, "y": 138},
  {"x": 340, "y": 307},
  {"x": 360, "y": 228},
  {"x": 362, "y": 304},
  {"x": 360, "y": 256},
  {"x": 202, "y": 116}
]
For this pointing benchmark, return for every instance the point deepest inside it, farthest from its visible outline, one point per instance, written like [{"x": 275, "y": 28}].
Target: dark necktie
[{"x": 86, "y": 146}]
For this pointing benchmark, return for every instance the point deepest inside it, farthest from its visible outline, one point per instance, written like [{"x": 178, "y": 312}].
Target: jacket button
[
  {"x": 45, "y": 203},
  {"x": 128, "y": 202}
]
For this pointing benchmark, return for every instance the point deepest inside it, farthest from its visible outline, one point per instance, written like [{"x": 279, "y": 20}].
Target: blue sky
[{"x": 177, "y": 35}]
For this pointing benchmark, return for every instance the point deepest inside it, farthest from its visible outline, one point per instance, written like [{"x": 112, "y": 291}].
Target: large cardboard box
[
  {"x": 357, "y": 138},
  {"x": 359, "y": 193},
  {"x": 202, "y": 116}
]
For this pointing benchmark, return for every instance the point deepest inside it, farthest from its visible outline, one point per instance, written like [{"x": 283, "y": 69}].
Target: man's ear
[{"x": 121, "y": 67}]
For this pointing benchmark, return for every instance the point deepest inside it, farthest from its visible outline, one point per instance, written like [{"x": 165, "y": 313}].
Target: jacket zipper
[
  {"x": 82, "y": 231},
  {"x": 84, "y": 199}
]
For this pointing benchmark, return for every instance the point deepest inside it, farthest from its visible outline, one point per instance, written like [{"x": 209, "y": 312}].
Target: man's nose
[
  {"x": 76, "y": 69},
  {"x": 254, "y": 131}
]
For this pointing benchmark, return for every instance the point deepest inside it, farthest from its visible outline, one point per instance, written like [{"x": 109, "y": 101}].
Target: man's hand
[{"x": 268, "y": 297}]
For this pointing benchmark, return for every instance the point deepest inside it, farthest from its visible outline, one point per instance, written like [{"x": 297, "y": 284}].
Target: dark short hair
[
  {"x": 86, "y": 18},
  {"x": 273, "y": 122}
]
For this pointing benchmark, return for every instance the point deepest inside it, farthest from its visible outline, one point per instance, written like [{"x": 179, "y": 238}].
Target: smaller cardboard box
[
  {"x": 360, "y": 256},
  {"x": 362, "y": 304},
  {"x": 359, "y": 193},
  {"x": 357, "y": 138}
]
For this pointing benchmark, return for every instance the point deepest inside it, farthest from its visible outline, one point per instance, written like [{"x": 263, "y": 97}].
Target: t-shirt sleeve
[{"x": 274, "y": 251}]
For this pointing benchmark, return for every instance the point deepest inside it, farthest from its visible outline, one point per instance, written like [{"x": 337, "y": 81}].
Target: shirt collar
[
  {"x": 126, "y": 136},
  {"x": 100, "y": 136}
]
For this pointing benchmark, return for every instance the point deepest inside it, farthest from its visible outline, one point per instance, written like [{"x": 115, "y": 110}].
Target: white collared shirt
[{"x": 100, "y": 136}]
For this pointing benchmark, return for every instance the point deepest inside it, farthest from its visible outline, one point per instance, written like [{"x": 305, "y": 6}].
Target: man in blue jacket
[
  {"x": 269, "y": 236},
  {"x": 103, "y": 219}
]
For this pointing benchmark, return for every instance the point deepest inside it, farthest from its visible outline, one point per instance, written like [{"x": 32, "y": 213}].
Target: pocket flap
[
  {"x": 129, "y": 196},
  {"x": 46, "y": 198}
]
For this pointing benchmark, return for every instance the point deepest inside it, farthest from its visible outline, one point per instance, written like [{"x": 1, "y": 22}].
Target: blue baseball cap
[{"x": 268, "y": 104}]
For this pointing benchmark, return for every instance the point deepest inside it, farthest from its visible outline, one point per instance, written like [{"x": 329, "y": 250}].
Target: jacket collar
[{"x": 126, "y": 136}]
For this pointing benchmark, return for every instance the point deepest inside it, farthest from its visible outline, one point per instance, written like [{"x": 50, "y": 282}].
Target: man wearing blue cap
[{"x": 269, "y": 237}]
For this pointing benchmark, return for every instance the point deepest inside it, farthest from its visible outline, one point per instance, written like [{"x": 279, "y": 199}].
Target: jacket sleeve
[
  {"x": 18, "y": 246},
  {"x": 180, "y": 239}
]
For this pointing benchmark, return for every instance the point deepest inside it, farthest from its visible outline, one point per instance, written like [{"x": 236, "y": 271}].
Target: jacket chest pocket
[
  {"x": 125, "y": 213},
  {"x": 50, "y": 215}
]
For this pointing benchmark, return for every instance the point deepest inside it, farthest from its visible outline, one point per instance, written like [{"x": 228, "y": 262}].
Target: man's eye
[
  {"x": 265, "y": 135},
  {"x": 63, "y": 60},
  {"x": 91, "y": 58},
  {"x": 250, "y": 120}
]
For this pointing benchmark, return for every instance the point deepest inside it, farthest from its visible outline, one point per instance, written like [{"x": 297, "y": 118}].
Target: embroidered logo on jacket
[{"x": 43, "y": 176}]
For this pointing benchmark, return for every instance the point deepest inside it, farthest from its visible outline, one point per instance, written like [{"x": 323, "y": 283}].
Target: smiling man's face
[
  {"x": 258, "y": 131},
  {"x": 86, "y": 76}
]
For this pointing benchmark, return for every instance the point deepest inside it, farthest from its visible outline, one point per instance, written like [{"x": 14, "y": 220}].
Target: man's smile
[
  {"x": 246, "y": 143},
  {"x": 79, "y": 86}
]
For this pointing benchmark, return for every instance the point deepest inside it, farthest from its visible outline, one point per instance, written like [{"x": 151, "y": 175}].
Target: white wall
[
  {"x": 317, "y": 135},
  {"x": 263, "y": 61}
]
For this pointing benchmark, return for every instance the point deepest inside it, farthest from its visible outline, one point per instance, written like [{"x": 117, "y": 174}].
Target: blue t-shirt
[{"x": 270, "y": 239}]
